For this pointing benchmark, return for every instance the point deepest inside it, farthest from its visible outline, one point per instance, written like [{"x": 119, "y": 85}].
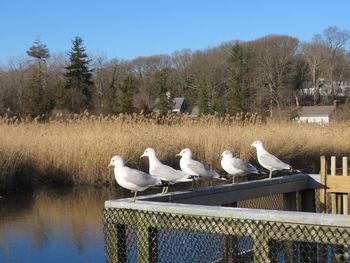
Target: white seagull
[
  {"x": 195, "y": 168},
  {"x": 162, "y": 171},
  {"x": 235, "y": 166},
  {"x": 267, "y": 160},
  {"x": 130, "y": 178}
]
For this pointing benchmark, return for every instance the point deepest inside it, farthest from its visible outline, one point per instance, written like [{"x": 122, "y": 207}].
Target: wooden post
[
  {"x": 114, "y": 243},
  {"x": 230, "y": 243},
  {"x": 227, "y": 246},
  {"x": 261, "y": 246},
  {"x": 308, "y": 200},
  {"x": 231, "y": 254},
  {"x": 345, "y": 196},
  {"x": 308, "y": 251},
  {"x": 120, "y": 243},
  {"x": 153, "y": 244},
  {"x": 333, "y": 196},
  {"x": 143, "y": 246},
  {"x": 289, "y": 201},
  {"x": 323, "y": 181}
]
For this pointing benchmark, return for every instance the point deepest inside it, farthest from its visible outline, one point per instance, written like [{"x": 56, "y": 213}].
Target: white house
[
  {"x": 340, "y": 88},
  {"x": 316, "y": 114}
]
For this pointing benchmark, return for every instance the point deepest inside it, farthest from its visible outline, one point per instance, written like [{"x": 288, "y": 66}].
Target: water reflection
[
  {"x": 59, "y": 225},
  {"x": 54, "y": 225}
]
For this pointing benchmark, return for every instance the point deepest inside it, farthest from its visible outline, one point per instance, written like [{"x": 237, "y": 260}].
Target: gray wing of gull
[
  {"x": 168, "y": 173},
  {"x": 140, "y": 178},
  {"x": 198, "y": 168},
  {"x": 272, "y": 161},
  {"x": 243, "y": 165}
]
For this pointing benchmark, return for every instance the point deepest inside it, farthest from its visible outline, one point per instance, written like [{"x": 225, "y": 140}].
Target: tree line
[{"x": 268, "y": 76}]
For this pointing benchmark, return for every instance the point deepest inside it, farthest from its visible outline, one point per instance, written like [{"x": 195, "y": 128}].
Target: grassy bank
[{"x": 77, "y": 150}]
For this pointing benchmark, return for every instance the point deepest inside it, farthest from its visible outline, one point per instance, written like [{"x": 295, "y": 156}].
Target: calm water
[
  {"x": 54, "y": 225},
  {"x": 57, "y": 225}
]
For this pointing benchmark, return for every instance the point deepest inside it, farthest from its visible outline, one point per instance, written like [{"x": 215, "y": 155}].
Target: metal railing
[{"x": 195, "y": 226}]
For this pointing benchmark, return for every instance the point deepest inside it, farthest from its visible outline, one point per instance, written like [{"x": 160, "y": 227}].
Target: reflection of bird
[
  {"x": 162, "y": 171},
  {"x": 267, "y": 160},
  {"x": 131, "y": 179},
  {"x": 235, "y": 166},
  {"x": 195, "y": 168}
]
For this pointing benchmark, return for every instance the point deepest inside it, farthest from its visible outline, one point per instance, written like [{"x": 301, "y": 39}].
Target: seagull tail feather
[{"x": 217, "y": 176}]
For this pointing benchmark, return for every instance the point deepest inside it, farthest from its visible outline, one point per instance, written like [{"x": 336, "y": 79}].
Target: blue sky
[{"x": 131, "y": 28}]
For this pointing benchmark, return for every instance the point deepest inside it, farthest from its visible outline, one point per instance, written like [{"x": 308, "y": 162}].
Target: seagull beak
[
  {"x": 110, "y": 165},
  {"x": 178, "y": 154},
  {"x": 143, "y": 155}
]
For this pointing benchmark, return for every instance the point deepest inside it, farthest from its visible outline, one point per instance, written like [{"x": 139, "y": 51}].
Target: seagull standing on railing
[
  {"x": 162, "y": 171},
  {"x": 195, "y": 168},
  {"x": 235, "y": 166},
  {"x": 269, "y": 161},
  {"x": 130, "y": 178}
]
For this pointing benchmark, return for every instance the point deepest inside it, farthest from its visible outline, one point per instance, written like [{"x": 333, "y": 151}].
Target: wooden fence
[{"x": 338, "y": 186}]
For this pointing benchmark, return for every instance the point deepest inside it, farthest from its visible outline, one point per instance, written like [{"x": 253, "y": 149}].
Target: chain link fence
[
  {"x": 140, "y": 236},
  {"x": 162, "y": 232},
  {"x": 271, "y": 202}
]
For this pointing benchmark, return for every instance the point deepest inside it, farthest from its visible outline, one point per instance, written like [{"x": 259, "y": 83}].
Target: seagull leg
[
  {"x": 194, "y": 182},
  {"x": 134, "y": 199},
  {"x": 162, "y": 190},
  {"x": 166, "y": 190}
]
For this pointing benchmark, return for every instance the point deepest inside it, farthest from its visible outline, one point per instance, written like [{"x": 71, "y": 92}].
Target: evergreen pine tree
[
  {"x": 203, "y": 107},
  {"x": 126, "y": 98},
  {"x": 164, "y": 100},
  {"x": 240, "y": 63},
  {"x": 79, "y": 78}
]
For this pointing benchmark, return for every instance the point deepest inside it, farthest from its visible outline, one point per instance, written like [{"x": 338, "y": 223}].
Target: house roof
[
  {"x": 177, "y": 103},
  {"x": 313, "y": 111}
]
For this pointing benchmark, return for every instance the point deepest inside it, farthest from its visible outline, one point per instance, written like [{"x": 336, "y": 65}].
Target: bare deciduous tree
[
  {"x": 335, "y": 40},
  {"x": 274, "y": 55},
  {"x": 315, "y": 56}
]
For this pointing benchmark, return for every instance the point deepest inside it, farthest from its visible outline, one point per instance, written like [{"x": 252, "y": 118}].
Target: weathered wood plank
[
  {"x": 338, "y": 184},
  {"x": 333, "y": 196},
  {"x": 323, "y": 182},
  {"x": 345, "y": 196}
]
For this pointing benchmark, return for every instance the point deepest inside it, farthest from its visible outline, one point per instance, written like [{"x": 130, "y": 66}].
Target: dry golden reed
[{"x": 77, "y": 148}]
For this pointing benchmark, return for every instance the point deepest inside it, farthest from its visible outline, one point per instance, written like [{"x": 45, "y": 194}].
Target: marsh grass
[{"x": 76, "y": 149}]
